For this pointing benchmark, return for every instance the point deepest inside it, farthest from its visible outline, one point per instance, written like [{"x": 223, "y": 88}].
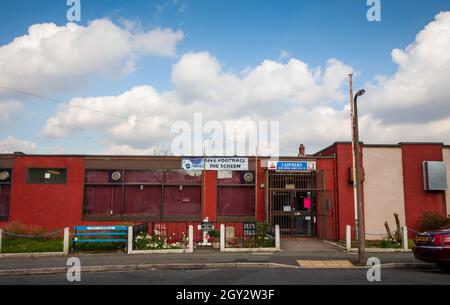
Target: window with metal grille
[
  {"x": 236, "y": 193},
  {"x": 47, "y": 176}
]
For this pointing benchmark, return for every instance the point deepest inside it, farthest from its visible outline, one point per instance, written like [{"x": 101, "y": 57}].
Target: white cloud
[
  {"x": 284, "y": 55},
  {"x": 52, "y": 57},
  {"x": 418, "y": 92},
  {"x": 310, "y": 102},
  {"x": 12, "y": 144},
  {"x": 8, "y": 108},
  {"x": 268, "y": 92}
]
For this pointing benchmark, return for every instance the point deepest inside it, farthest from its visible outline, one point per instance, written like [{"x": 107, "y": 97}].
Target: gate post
[
  {"x": 1, "y": 236},
  {"x": 130, "y": 240},
  {"x": 405, "y": 238},
  {"x": 66, "y": 241},
  {"x": 277, "y": 238},
  {"x": 348, "y": 238},
  {"x": 222, "y": 237},
  {"x": 191, "y": 239}
]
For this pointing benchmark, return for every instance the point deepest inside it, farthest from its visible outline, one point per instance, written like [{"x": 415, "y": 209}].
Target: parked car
[{"x": 433, "y": 247}]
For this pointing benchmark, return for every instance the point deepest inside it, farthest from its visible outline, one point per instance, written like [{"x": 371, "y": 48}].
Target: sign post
[{"x": 206, "y": 227}]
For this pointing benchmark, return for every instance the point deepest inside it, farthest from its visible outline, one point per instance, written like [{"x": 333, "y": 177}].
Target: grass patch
[
  {"x": 25, "y": 245},
  {"x": 98, "y": 247},
  {"x": 379, "y": 244}
]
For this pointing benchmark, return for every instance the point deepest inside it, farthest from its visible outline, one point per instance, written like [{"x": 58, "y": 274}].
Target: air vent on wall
[
  {"x": 248, "y": 178},
  {"x": 5, "y": 175},
  {"x": 434, "y": 176},
  {"x": 115, "y": 176}
]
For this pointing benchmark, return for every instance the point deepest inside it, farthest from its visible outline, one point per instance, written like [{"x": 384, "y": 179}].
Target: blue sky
[{"x": 239, "y": 34}]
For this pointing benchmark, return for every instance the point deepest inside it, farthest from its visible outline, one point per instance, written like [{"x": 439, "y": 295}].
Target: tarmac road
[{"x": 244, "y": 277}]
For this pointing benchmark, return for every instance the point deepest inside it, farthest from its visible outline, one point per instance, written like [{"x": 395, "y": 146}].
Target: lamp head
[{"x": 361, "y": 92}]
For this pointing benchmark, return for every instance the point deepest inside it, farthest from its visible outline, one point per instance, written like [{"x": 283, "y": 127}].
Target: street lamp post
[{"x": 361, "y": 229}]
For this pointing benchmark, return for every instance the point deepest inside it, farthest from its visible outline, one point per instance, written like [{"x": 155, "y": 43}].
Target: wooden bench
[{"x": 99, "y": 234}]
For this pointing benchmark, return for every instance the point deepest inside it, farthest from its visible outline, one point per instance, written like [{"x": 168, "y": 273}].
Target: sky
[{"x": 117, "y": 80}]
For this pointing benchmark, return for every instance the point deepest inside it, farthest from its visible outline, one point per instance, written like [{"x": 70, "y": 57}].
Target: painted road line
[{"x": 325, "y": 264}]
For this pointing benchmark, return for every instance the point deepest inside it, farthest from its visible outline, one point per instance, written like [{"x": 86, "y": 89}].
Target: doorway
[
  {"x": 292, "y": 203},
  {"x": 293, "y": 211}
]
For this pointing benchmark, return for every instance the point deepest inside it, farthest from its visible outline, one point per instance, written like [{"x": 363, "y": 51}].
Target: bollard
[
  {"x": 191, "y": 239},
  {"x": 1, "y": 236},
  {"x": 405, "y": 238},
  {"x": 277, "y": 238},
  {"x": 348, "y": 238},
  {"x": 66, "y": 241},
  {"x": 222, "y": 238},
  {"x": 130, "y": 240}
]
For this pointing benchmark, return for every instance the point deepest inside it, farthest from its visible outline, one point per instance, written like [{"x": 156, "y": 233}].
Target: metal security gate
[{"x": 293, "y": 201}]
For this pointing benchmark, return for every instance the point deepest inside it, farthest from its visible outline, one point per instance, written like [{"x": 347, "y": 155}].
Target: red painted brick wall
[
  {"x": 50, "y": 206},
  {"x": 209, "y": 206},
  {"x": 417, "y": 200},
  {"x": 261, "y": 194}
]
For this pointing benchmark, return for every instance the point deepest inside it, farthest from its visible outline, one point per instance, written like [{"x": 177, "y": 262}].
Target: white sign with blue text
[
  {"x": 215, "y": 164},
  {"x": 291, "y": 165}
]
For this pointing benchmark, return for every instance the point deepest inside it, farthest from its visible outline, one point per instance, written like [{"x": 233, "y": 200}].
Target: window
[
  {"x": 5, "y": 191},
  {"x": 236, "y": 193},
  {"x": 103, "y": 200},
  {"x": 143, "y": 193},
  {"x": 182, "y": 200},
  {"x": 47, "y": 176},
  {"x": 142, "y": 200}
]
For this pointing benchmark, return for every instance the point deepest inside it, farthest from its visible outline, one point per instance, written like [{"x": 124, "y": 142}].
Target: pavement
[{"x": 294, "y": 252}]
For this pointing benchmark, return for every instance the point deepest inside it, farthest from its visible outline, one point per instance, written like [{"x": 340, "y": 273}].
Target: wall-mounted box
[{"x": 435, "y": 176}]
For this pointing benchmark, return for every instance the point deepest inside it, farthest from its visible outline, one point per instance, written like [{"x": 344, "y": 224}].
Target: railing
[
  {"x": 42, "y": 236},
  {"x": 349, "y": 230}
]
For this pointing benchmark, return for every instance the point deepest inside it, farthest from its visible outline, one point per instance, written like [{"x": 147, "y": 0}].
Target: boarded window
[
  {"x": 181, "y": 177},
  {"x": 236, "y": 201},
  {"x": 47, "y": 176},
  {"x": 103, "y": 200},
  {"x": 5, "y": 190},
  {"x": 142, "y": 176},
  {"x": 140, "y": 193},
  {"x": 182, "y": 200},
  {"x": 236, "y": 193},
  {"x": 97, "y": 176},
  {"x": 142, "y": 200}
]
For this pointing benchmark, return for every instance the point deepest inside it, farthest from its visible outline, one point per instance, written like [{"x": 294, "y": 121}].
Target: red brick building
[{"x": 318, "y": 200}]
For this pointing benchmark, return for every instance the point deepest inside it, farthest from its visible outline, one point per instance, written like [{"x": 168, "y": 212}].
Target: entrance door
[
  {"x": 293, "y": 211},
  {"x": 303, "y": 214}
]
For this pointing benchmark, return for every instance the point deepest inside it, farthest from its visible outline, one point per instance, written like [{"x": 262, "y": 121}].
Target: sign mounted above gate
[{"x": 291, "y": 165}]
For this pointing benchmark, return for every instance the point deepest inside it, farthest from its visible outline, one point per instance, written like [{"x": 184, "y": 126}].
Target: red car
[{"x": 433, "y": 247}]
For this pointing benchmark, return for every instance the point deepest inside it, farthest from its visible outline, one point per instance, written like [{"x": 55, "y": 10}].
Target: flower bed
[{"x": 158, "y": 243}]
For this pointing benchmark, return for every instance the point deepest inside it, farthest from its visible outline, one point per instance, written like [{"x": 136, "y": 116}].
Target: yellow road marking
[{"x": 328, "y": 264}]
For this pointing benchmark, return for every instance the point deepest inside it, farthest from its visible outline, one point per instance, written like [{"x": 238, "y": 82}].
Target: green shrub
[
  {"x": 214, "y": 234},
  {"x": 431, "y": 221}
]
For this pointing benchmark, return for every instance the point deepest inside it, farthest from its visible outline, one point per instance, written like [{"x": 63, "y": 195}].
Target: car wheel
[{"x": 444, "y": 267}]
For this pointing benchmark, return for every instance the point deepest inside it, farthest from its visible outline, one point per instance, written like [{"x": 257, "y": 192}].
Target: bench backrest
[{"x": 120, "y": 233}]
